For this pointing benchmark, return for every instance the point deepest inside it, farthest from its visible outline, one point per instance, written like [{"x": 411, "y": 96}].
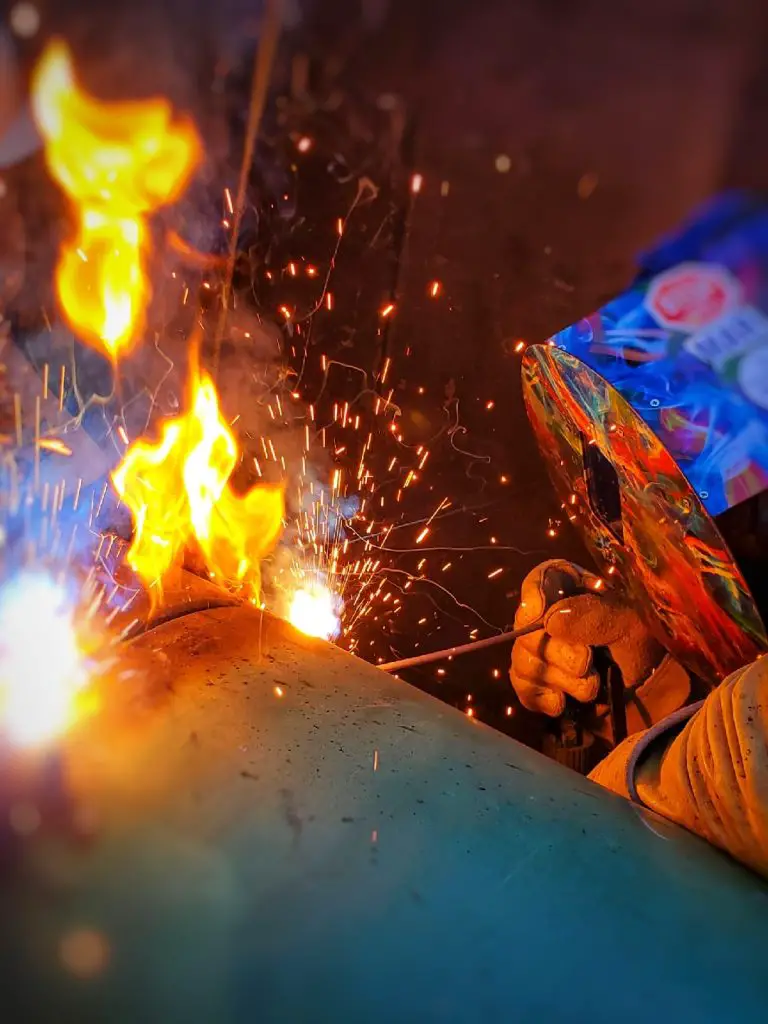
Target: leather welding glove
[{"x": 581, "y": 612}]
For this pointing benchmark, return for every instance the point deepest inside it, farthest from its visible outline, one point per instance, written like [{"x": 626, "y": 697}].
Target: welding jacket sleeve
[{"x": 706, "y": 767}]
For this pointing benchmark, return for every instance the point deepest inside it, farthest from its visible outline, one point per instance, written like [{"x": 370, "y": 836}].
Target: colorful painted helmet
[{"x": 652, "y": 415}]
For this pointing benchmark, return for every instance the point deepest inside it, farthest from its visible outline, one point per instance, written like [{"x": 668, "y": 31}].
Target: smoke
[
  {"x": 279, "y": 442},
  {"x": 60, "y": 506},
  {"x": 134, "y": 49}
]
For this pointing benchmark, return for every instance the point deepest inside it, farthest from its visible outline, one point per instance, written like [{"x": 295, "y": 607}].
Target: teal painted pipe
[{"x": 261, "y": 828}]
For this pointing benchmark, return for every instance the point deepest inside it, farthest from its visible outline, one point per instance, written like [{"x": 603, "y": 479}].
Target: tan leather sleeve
[
  {"x": 711, "y": 774},
  {"x": 611, "y": 772}
]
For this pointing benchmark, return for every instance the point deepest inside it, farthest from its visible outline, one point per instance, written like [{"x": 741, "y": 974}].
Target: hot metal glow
[
  {"x": 180, "y": 498},
  {"x": 117, "y": 163},
  {"x": 44, "y": 668},
  {"x": 313, "y": 611}
]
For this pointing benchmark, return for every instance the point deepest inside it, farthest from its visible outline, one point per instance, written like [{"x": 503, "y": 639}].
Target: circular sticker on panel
[{"x": 692, "y": 295}]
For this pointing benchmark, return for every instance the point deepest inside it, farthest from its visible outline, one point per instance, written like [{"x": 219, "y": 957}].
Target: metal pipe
[{"x": 259, "y": 826}]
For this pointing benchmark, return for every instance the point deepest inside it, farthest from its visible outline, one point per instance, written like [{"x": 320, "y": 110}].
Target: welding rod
[{"x": 450, "y": 652}]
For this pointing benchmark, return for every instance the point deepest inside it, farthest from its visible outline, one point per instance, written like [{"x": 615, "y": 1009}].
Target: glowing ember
[
  {"x": 117, "y": 163},
  {"x": 313, "y": 611},
  {"x": 44, "y": 667},
  {"x": 179, "y": 496},
  {"x": 53, "y": 444}
]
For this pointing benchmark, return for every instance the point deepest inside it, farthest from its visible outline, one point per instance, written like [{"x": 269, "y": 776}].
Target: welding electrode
[
  {"x": 612, "y": 683},
  {"x": 451, "y": 652}
]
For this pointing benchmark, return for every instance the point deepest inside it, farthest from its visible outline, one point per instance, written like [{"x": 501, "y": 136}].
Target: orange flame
[
  {"x": 179, "y": 496},
  {"x": 118, "y": 162}
]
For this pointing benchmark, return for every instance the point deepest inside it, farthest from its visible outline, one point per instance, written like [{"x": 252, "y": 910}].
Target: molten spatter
[
  {"x": 117, "y": 162},
  {"x": 180, "y": 498}
]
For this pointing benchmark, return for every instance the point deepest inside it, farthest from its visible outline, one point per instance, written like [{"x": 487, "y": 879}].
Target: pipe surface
[{"x": 260, "y": 827}]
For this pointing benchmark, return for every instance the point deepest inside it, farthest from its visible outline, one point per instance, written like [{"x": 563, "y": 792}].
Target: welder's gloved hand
[{"x": 580, "y": 612}]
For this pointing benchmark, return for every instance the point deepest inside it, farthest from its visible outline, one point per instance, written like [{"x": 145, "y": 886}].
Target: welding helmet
[{"x": 652, "y": 416}]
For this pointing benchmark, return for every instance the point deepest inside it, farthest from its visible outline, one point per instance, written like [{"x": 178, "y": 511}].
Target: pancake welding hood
[
  {"x": 267, "y": 829},
  {"x": 652, "y": 416}
]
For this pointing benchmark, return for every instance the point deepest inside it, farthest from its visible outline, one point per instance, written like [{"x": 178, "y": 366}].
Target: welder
[
  {"x": 656, "y": 665},
  {"x": 699, "y": 760}
]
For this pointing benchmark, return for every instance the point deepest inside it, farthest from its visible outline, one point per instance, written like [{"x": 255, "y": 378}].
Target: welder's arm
[{"x": 708, "y": 772}]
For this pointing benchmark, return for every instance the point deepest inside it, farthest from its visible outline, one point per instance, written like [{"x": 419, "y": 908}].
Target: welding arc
[{"x": 452, "y": 652}]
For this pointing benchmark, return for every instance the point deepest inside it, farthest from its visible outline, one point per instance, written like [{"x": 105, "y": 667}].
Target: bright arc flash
[
  {"x": 313, "y": 611},
  {"x": 117, "y": 162},
  {"x": 43, "y": 667}
]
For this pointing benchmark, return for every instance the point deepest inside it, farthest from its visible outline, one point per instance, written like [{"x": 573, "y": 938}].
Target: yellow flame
[
  {"x": 312, "y": 610},
  {"x": 118, "y": 162},
  {"x": 179, "y": 495}
]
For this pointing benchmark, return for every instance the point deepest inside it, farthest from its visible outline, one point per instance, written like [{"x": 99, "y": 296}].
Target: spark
[
  {"x": 336, "y": 572},
  {"x": 55, "y": 445}
]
